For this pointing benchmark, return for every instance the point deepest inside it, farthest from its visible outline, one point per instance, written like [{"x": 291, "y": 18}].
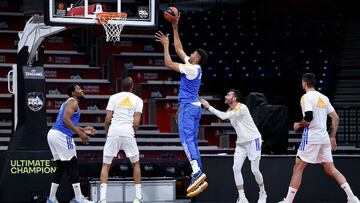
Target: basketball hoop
[{"x": 113, "y": 24}]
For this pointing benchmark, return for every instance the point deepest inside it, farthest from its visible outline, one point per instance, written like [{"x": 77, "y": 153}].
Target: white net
[{"x": 113, "y": 24}]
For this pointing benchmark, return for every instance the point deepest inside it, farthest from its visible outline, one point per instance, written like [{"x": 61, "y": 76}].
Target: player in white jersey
[
  {"x": 316, "y": 145},
  {"x": 248, "y": 142},
  {"x": 123, "y": 115}
]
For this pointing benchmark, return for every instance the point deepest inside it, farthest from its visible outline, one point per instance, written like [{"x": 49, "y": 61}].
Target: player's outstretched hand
[
  {"x": 204, "y": 103},
  {"x": 333, "y": 143},
  {"x": 163, "y": 39},
  {"x": 89, "y": 130}
]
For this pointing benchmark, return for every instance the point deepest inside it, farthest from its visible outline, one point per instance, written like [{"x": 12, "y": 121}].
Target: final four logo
[
  {"x": 143, "y": 12},
  {"x": 35, "y": 101}
]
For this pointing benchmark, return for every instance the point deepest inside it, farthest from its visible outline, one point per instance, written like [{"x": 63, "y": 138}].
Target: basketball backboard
[{"x": 140, "y": 13}]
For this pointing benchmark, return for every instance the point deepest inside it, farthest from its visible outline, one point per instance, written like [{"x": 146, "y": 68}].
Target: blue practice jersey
[
  {"x": 189, "y": 83},
  {"x": 59, "y": 124}
]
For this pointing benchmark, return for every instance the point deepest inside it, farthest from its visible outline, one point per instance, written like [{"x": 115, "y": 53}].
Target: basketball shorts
[
  {"x": 62, "y": 146},
  {"x": 114, "y": 144},
  {"x": 250, "y": 149},
  {"x": 315, "y": 153}
]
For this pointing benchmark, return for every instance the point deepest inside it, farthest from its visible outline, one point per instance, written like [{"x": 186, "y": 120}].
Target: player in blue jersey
[
  {"x": 62, "y": 145},
  {"x": 189, "y": 113}
]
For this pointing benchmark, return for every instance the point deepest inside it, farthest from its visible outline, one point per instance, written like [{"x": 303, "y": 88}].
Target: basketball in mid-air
[{"x": 171, "y": 14}]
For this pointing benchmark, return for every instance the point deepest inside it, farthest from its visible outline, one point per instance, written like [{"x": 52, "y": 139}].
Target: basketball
[{"x": 171, "y": 14}]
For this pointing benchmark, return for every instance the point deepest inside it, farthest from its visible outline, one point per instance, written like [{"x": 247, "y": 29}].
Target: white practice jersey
[
  {"x": 124, "y": 105},
  {"x": 319, "y": 104},
  {"x": 240, "y": 118}
]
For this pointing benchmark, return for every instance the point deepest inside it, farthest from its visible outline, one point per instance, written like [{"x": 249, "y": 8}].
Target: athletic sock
[
  {"x": 138, "y": 191},
  {"x": 77, "y": 191},
  {"x": 347, "y": 189},
  {"x": 241, "y": 193},
  {"x": 194, "y": 166},
  {"x": 290, "y": 195},
  {"x": 103, "y": 187},
  {"x": 53, "y": 189}
]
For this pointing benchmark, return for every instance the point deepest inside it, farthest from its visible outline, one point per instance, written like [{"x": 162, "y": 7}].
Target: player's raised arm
[
  {"x": 164, "y": 40},
  {"x": 177, "y": 43}
]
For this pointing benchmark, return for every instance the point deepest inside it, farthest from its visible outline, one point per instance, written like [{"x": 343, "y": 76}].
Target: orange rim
[{"x": 102, "y": 18}]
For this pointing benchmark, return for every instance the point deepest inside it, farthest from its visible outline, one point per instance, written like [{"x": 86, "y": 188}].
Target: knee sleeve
[
  {"x": 238, "y": 176},
  {"x": 61, "y": 166},
  {"x": 256, "y": 171},
  {"x": 73, "y": 170},
  {"x": 238, "y": 163}
]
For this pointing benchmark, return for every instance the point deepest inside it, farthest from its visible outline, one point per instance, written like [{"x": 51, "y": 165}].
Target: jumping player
[{"x": 189, "y": 106}]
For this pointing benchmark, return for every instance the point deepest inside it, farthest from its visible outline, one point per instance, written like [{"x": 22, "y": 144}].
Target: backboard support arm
[{"x": 34, "y": 33}]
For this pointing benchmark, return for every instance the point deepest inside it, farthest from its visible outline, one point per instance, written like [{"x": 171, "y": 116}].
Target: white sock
[
  {"x": 103, "y": 187},
  {"x": 53, "y": 189},
  {"x": 138, "y": 191},
  {"x": 194, "y": 166},
  {"x": 290, "y": 195},
  {"x": 241, "y": 193},
  {"x": 77, "y": 191},
  {"x": 347, "y": 189},
  {"x": 262, "y": 188}
]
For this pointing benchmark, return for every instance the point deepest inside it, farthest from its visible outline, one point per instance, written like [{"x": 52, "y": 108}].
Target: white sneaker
[
  {"x": 242, "y": 200},
  {"x": 136, "y": 200},
  {"x": 82, "y": 200},
  {"x": 353, "y": 200},
  {"x": 102, "y": 201},
  {"x": 262, "y": 197},
  {"x": 283, "y": 201},
  {"x": 50, "y": 201}
]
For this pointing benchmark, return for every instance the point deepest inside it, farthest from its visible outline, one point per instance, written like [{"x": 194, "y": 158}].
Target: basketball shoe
[
  {"x": 196, "y": 179},
  {"x": 50, "y": 201},
  {"x": 202, "y": 186},
  {"x": 242, "y": 200},
  {"x": 353, "y": 200},
  {"x": 283, "y": 201},
  {"x": 137, "y": 200},
  {"x": 82, "y": 200}
]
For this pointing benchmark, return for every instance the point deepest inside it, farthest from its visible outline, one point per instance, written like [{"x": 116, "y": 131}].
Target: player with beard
[{"x": 248, "y": 142}]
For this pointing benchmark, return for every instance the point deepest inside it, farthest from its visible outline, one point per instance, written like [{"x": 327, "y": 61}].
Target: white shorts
[
  {"x": 62, "y": 146},
  {"x": 315, "y": 153},
  {"x": 116, "y": 143},
  {"x": 251, "y": 149}
]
